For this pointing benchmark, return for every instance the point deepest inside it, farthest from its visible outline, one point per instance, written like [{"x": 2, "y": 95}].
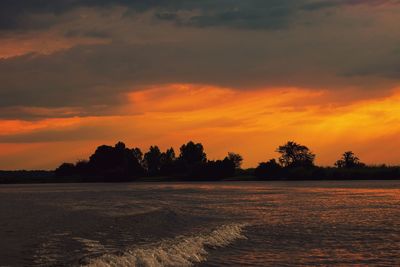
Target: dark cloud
[
  {"x": 59, "y": 135},
  {"x": 94, "y": 33},
  {"x": 337, "y": 52},
  {"x": 253, "y": 14},
  {"x": 256, "y": 14},
  {"x": 99, "y": 75},
  {"x": 29, "y": 113},
  {"x": 322, "y": 4},
  {"x": 20, "y": 14},
  {"x": 389, "y": 69}
]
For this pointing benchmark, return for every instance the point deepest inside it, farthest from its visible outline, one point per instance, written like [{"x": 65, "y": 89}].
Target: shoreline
[{"x": 144, "y": 180}]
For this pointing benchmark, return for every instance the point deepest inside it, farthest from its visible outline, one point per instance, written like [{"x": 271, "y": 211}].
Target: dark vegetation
[
  {"x": 121, "y": 164},
  {"x": 297, "y": 163},
  {"x": 25, "y": 176}
]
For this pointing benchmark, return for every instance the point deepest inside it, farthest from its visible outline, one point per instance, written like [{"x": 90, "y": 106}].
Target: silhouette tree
[
  {"x": 82, "y": 167},
  {"x": 65, "y": 169},
  {"x": 212, "y": 170},
  {"x": 228, "y": 166},
  {"x": 349, "y": 160},
  {"x": 119, "y": 163},
  {"x": 138, "y": 154},
  {"x": 236, "y": 159},
  {"x": 192, "y": 153},
  {"x": 104, "y": 159},
  {"x": 120, "y": 146},
  {"x": 114, "y": 162},
  {"x": 295, "y": 155},
  {"x": 168, "y": 156},
  {"x": 269, "y": 169},
  {"x": 168, "y": 162},
  {"x": 152, "y": 160}
]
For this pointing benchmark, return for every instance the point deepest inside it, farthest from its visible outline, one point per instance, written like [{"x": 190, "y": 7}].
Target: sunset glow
[
  {"x": 75, "y": 76},
  {"x": 252, "y": 122},
  {"x": 199, "y": 133}
]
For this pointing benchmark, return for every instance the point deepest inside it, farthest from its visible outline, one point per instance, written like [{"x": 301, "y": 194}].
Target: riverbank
[{"x": 319, "y": 174}]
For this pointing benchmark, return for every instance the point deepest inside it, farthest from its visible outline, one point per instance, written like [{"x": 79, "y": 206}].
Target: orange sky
[{"x": 252, "y": 123}]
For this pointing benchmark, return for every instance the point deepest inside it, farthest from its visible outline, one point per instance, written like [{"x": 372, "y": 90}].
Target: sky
[{"x": 237, "y": 76}]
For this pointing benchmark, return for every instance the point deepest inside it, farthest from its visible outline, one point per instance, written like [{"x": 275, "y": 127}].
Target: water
[{"x": 353, "y": 223}]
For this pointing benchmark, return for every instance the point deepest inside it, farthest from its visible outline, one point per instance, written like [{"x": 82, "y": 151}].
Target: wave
[{"x": 181, "y": 251}]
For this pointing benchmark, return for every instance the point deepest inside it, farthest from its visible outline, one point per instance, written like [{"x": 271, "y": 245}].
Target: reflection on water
[{"x": 293, "y": 223}]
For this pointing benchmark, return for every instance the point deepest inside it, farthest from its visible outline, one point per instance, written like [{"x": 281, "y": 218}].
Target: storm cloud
[
  {"x": 25, "y": 15},
  {"x": 333, "y": 45}
]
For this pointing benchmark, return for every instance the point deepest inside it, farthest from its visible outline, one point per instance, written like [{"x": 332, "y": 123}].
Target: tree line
[
  {"x": 296, "y": 161},
  {"x": 119, "y": 162}
]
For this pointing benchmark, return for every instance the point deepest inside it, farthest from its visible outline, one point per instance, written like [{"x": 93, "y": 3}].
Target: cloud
[
  {"x": 324, "y": 4},
  {"x": 389, "y": 68},
  {"x": 97, "y": 77},
  {"x": 273, "y": 14},
  {"x": 252, "y": 14},
  {"x": 30, "y": 15},
  {"x": 69, "y": 135},
  {"x": 237, "y": 44}
]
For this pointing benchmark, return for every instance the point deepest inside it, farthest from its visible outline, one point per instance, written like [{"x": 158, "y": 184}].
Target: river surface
[{"x": 353, "y": 223}]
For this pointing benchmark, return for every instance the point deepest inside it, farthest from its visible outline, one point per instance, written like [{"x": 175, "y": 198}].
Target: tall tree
[
  {"x": 152, "y": 160},
  {"x": 168, "y": 162},
  {"x": 138, "y": 154},
  {"x": 192, "y": 153},
  {"x": 349, "y": 160},
  {"x": 236, "y": 159},
  {"x": 295, "y": 155},
  {"x": 168, "y": 156},
  {"x": 108, "y": 161}
]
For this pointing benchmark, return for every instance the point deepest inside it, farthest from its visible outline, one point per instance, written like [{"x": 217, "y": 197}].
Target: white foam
[{"x": 181, "y": 251}]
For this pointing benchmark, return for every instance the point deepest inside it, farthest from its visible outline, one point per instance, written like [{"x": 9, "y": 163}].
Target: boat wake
[{"x": 181, "y": 251}]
